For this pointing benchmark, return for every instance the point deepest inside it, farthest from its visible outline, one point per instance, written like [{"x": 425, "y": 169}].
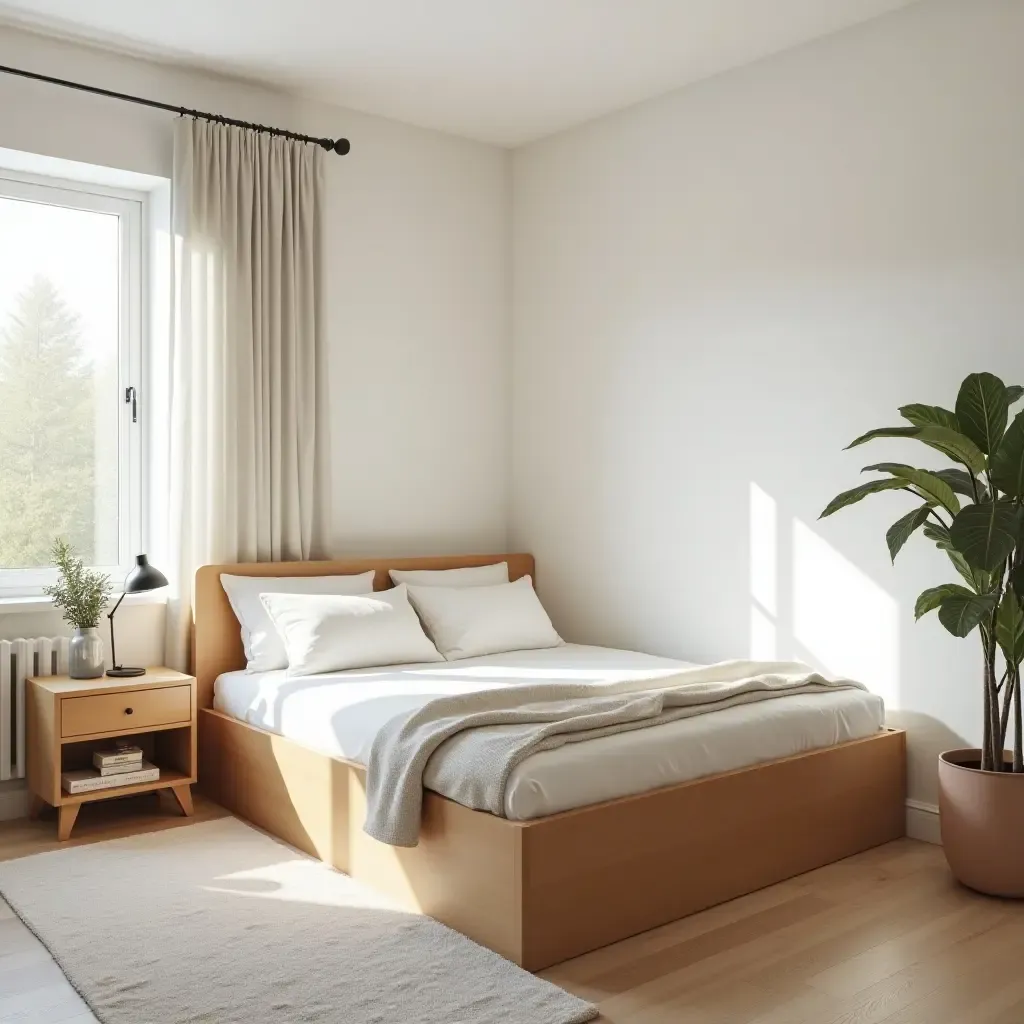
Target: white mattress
[{"x": 340, "y": 713}]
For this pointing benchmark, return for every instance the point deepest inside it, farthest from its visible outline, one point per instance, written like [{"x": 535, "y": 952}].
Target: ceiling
[{"x": 503, "y": 71}]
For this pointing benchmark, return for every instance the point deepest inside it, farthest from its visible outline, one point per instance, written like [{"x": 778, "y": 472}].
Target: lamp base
[{"x": 120, "y": 672}]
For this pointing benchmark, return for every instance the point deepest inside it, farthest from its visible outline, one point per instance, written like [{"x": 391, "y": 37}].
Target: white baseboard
[
  {"x": 13, "y": 800},
  {"x": 923, "y": 822}
]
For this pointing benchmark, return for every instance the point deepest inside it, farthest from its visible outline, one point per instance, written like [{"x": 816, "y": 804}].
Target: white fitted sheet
[{"x": 340, "y": 714}]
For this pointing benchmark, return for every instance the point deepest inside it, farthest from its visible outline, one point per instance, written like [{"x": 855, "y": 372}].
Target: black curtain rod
[{"x": 339, "y": 146}]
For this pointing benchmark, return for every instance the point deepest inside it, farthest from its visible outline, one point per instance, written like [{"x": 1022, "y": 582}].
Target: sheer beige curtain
[{"x": 248, "y": 442}]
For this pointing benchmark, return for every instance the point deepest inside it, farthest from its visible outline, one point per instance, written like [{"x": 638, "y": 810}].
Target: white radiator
[{"x": 19, "y": 659}]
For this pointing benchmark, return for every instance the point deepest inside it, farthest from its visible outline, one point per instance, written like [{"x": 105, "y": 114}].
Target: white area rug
[{"x": 217, "y": 923}]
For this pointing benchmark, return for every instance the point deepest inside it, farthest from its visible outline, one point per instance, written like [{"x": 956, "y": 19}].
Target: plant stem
[
  {"x": 993, "y": 706},
  {"x": 996, "y": 732},
  {"x": 1018, "y": 732},
  {"x": 987, "y": 763},
  {"x": 992, "y": 738},
  {"x": 1004, "y": 717}
]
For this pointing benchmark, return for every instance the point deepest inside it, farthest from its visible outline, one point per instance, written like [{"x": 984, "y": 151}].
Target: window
[{"x": 70, "y": 350}]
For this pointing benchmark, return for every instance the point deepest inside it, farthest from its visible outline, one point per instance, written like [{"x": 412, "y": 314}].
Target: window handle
[{"x": 131, "y": 395}]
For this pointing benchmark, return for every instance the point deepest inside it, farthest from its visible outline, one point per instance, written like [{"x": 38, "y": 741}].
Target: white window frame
[{"x": 131, "y": 209}]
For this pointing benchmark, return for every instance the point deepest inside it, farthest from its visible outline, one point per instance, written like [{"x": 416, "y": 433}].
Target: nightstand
[{"x": 67, "y": 719}]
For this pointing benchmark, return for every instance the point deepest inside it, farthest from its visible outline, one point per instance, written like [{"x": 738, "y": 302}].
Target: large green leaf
[
  {"x": 884, "y": 432},
  {"x": 855, "y": 494},
  {"x": 1014, "y": 393},
  {"x": 930, "y": 416},
  {"x": 961, "y": 482},
  {"x": 981, "y": 409},
  {"x": 945, "y": 439},
  {"x": 1007, "y": 463},
  {"x": 955, "y": 445},
  {"x": 1010, "y": 628},
  {"x": 961, "y": 614},
  {"x": 928, "y": 485},
  {"x": 930, "y": 599},
  {"x": 977, "y": 579},
  {"x": 901, "y": 531},
  {"x": 892, "y": 468},
  {"x": 986, "y": 534}
]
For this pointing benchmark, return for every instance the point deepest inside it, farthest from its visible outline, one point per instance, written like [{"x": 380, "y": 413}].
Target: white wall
[
  {"x": 721, "y": 288},
  {"x": 416, "y": 230},
  {"x": 713, "y": 291}
]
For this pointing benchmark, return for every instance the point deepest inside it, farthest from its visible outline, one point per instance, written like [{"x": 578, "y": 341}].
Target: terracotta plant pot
[{"x": 982, "y": 819}]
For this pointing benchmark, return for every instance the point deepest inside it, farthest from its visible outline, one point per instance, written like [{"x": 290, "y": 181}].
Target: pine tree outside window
[{"x": 70, "y": 347}]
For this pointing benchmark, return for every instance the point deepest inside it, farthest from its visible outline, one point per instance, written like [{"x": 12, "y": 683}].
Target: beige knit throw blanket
[{"x": 465, "y": 746}]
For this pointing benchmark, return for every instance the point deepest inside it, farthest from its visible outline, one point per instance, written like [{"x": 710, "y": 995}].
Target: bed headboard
[{"x": 216, "y": 640}]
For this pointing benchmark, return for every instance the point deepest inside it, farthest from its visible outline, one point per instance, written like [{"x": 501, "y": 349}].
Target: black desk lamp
[{"x": 142, "y": 578}]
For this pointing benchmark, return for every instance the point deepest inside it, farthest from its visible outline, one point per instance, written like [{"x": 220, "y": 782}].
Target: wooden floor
[
  {"x": 885, "y": 936},
  {"x": 882, "y": 938}
]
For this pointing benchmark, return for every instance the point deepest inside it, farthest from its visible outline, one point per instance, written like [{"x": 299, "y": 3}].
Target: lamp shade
[{"x": 143, "y": 577}]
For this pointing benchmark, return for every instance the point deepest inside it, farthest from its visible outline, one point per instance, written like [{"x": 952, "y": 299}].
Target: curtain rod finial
[{"x": 339, "y": 146}]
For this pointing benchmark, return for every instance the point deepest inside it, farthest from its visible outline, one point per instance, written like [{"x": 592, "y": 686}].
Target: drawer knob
[{"x": 129, "y": 711}]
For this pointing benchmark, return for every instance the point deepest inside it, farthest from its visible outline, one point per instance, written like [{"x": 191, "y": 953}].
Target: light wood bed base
[{"x": 541, "y": 891}]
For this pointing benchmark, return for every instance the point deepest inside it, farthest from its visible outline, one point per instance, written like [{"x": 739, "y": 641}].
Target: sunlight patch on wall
[{"x": 845, "y": 622}]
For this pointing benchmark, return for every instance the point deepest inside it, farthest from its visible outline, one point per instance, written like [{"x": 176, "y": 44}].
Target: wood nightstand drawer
[{"x": 125, "y": 712}]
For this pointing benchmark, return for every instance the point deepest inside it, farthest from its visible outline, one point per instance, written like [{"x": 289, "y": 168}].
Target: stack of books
[{"x": 112, "y": 767}]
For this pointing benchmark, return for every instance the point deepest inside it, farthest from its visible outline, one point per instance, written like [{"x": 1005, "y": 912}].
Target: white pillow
[
  {"x": 471, "y": 576},
  {"x": 472, "y": 621},
  {"x": 330, "y": 633},
  {"x": 263, "y": 648}
]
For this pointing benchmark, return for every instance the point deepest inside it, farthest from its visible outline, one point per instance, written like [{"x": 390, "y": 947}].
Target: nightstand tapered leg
[
  {"x": 183, "y": 796},
  {"x": 66, "y": 820}
]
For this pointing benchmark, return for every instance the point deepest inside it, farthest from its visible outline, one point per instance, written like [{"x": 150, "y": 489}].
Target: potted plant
[
  {"x": 974, "y": 512},
  {"x": 80, "y": 593}
]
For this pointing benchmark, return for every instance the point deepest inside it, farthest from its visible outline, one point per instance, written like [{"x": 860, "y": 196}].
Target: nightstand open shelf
[
  {"x": 169, "y": 747},
  {"x": 68, "y": 719}
]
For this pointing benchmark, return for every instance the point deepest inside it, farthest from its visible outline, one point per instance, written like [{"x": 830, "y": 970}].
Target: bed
[
  {"x": 339, "y": 714},
  {"x": 600, "y": 839}
]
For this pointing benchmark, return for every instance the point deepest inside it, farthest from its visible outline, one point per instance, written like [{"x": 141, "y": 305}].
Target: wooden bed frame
[{"x": 542, "y": 891}]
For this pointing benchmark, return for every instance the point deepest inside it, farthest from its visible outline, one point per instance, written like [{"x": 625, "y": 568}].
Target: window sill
[{"x": 17, "y": 605}]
